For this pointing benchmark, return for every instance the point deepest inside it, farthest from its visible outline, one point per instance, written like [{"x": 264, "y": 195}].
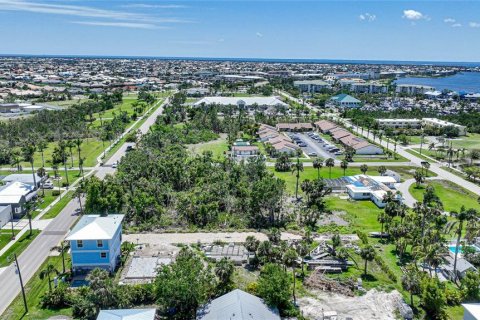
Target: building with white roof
[
  {"x": 127, "y": 314},
  {"x": 374, "y": 188},
  {"x": 237, "y": 305},
  {"x": 311, "y": 85},
  {"x": 17, "y": 195},
  {"x": 437, "y": 123},
  {"x": 471, "y": 311},
  {"x": 400, "y": 123},
  {"x": 95, "y": 242},
  {"x": 5, "y": 215}
]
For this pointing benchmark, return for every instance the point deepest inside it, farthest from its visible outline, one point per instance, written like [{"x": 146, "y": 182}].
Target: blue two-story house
[{"x": 95, "y": 243}]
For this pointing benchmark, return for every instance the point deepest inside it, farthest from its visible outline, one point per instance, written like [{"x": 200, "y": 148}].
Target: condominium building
[
  {"x": 311, "y": 86},
  {"x": 413, "y": 89},
  {"x": 437, "y": 123}
]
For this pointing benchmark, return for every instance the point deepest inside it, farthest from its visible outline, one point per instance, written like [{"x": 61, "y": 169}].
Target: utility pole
[
  {"x": 13, "y": 232},
  {"x": 17, "y": 271}
]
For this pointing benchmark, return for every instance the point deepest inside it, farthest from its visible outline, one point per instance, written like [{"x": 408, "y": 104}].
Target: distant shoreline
[{"x": 265, "y": 60}]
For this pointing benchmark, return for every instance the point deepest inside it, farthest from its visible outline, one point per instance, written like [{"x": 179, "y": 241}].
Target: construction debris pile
[{"x": 318, "y": 281}]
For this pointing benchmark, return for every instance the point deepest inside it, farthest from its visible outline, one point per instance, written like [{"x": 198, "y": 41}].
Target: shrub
[
  {"x": 453, "y": 296},
  {"x": 385, "y": 268},
  {"x": 55, "y": 193},
  {"x": 363, "y": 236},
  {"x": 57, "y": 298}
]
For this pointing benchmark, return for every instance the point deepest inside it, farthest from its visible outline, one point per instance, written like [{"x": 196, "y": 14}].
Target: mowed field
[{"x": 452, "y": 195}]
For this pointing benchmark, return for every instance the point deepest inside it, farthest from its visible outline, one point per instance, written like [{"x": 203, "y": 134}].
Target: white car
[{"x": 115, "y": 164}]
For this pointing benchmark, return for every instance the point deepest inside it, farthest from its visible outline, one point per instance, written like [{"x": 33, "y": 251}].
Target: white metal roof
[
  {"x": 473, "y": 308},
  {"x": 239, "y": 305},
  {"x": 95, "y": 227},
  {"x": 127, "y": 314}
]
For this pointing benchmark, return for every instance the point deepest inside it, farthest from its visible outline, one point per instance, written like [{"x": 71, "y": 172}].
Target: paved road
[
  {"x": 434, "y": 167},
  {"x": 36, "y": 253},
  {"x": 358, "y": 164}
]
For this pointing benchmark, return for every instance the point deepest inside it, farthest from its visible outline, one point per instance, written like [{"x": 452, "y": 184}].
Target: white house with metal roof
[
  {"x": 252, "y": 103},
  {"x": 17, "y": 195},
  {"x": 95, "y": 242},
  {"x": 237, "y": 305}
]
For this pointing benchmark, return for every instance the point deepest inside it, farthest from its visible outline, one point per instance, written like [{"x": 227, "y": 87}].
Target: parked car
[
  {"x": 312, "y": 154},
  {"x": 115, "y": 164},
  {"x": 47, "y": 185},
  {"x": 303, "y": 145},
  {"x": 129, "y": 148}
]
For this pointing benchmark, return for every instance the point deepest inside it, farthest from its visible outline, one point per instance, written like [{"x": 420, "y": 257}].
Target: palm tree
[
  {"x": 297, "y": 168},
  {"x": 28, "y": 155},
  {"x": 382, "y": 170},
  {"x": 62, "y": 248},
  {"x": 224, "y": 270},
  {"x": 464, "y": 216},
  {"x": 62, "y": 147},
  {"x": 78, "y": 143},
  {"x": 251, "y": 244},
  {"x": 411, "y": 281},
  {"x": 78, "y": 194},
  {"x": 41, "y": 173},
  {"x": 330, "y": 163},
  {"x": 47, "y": 272},
  {"x": 426, "y": 165},
  {"x": 290, "y": 260},
  {"x": 70, "y": 144},
  {"x": 41, "y": 146},
  {"x": 364, "y": 168},
  {"x": 344, "y": 166},
  {"x": 419, "y": 178},
  {"x": 318, "y": 164},
  {"x": 368, "y": 254},
  {"x": 302, "y": 250}
]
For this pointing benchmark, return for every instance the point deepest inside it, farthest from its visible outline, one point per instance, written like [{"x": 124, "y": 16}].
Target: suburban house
[
  {"x": 245, "y": 151},
  {"x": 5, "y": 215},
  {"x": 346, "y": 101},
  {"x": 471, "y": 311},
  {"x": 237, "y": 304},
  {"x": 463, "y": 266},
  {"x": 374, "y": 188},
  {"x": 311, "y": 86},
  {"x": 360, "y": 145},
  {"x": 25, "y": 178},
  {"x": 17, "y": 195},
  {"x": 95, "y": 242},
  {"x": 127, "y": 314}
]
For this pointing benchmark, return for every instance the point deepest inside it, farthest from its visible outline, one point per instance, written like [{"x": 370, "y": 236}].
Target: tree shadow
[{"x": 368, "y": 277}]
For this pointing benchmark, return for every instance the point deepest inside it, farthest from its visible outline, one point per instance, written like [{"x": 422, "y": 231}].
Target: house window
[
  {"x": 18, "y": 209},
  {"x": 103, "y": 255},
  {"x": 99, "y": 243},
  {"x": 79, "y": 243}
]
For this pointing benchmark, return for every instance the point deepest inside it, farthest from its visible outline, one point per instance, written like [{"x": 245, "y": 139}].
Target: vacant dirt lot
[{"x": 372, "y": 305}]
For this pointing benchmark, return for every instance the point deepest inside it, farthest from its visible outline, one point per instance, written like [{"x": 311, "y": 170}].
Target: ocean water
[
  {"x": 464, "y": 81},
  {"x": 268, "y": 60}
]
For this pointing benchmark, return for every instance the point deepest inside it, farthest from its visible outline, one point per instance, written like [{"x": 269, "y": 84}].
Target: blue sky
[{"x": 375, "y": 30}]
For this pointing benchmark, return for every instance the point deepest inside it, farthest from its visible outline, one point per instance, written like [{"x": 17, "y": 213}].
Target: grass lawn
[
  {"x": 311, "y": 174},
  {"x": 55, "y": 210},
  {"x": 218, "y": 147},
  {"x": 452, "y": 195},
  {"x": 362, "y": 215},
  {"x": 18, "y": 247},
  {"x": 418, "y": 155},
  {"x": 34, "y": 289},
  {"x": 471, "y": 141},
  {"x": 6, "y": 235}
]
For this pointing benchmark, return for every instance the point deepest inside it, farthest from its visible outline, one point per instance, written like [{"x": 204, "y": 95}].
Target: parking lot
[{"x": 314, "y": 146}]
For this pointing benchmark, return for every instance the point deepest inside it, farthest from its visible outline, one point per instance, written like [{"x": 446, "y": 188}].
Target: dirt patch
[
  {"x": 336, "y": 217},
  {"x": 373, "y": 305}
]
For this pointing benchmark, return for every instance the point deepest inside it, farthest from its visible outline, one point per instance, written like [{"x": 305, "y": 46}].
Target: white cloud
[
  {"x": 449, "y": 20},
  {"x": 133, "y": 25},
  {"x": 456, "y": 25},
  {"x": 367, "y": 17},
  {"x": 474, "y": 25},
  {"x": 258, "y": 34},
  {"x": 139, "y": 19},
  {"x": 414, "y": 15},
  {"x": 151, "y": 6}
]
